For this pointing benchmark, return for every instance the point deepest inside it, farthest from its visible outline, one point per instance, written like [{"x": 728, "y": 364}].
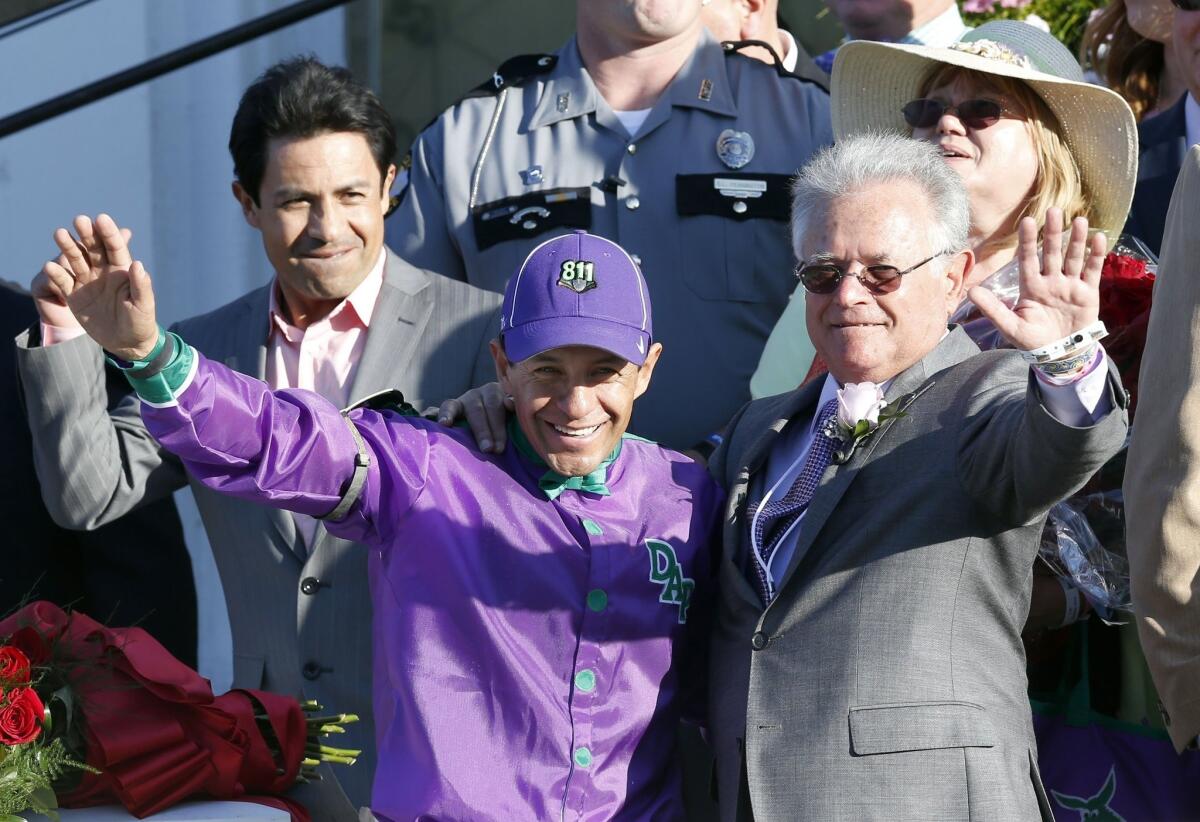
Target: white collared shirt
[{"x": 791, "y": 54}]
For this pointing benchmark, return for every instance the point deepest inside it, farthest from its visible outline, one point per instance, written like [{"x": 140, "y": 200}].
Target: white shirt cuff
[{"x": 1082, "y": 400}]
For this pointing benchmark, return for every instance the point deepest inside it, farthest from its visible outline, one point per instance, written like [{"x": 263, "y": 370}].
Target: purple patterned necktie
[{"x": 778, "y": 516}]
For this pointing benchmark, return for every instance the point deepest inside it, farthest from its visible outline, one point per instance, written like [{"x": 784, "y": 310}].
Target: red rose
[
  {"x": 14, "y": 666},
  {"x": 1124, "y": 267},
  {"x": 21, "y": 719},
  {"x": 1125, "y": 289}
]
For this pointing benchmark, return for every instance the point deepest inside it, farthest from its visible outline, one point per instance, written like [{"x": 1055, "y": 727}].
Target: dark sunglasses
[
  {"x": 976, "y": 114},
  {"x": 1186, "y": 5},
  {"x": 823, "y": 278}
]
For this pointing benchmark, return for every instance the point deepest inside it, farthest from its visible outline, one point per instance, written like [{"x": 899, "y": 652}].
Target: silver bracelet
[
  {"x": 1070, "y": 366},
  {"x": 1068, "y": 345}
]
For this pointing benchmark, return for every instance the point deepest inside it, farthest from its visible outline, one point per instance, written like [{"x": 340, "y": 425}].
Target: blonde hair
[{"x": 1058, "y": 183}]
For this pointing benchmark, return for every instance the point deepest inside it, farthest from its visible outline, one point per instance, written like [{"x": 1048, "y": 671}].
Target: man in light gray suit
[
  {"x": 313, "y": 156},
  {"x": 867, "y": 662}
]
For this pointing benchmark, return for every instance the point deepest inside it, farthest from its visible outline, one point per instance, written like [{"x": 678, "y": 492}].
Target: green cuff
[{"x": 164, "y": 373}]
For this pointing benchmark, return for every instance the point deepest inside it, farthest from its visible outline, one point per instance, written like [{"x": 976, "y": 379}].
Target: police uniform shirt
[{"x": 699, "y": 197}]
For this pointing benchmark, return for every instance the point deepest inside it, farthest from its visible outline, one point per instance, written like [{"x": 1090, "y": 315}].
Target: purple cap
[{"x": 578, "y": 289}]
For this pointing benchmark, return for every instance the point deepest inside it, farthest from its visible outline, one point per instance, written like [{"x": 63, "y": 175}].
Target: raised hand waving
[
  {"x": 106, "y": 289},
  {"x": 1060, "y": 292}
]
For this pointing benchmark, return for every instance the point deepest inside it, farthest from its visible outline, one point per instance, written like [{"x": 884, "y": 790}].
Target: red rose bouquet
[
  {"x": 1126, "y": 287},
  {"x": 91, "y": 715}
]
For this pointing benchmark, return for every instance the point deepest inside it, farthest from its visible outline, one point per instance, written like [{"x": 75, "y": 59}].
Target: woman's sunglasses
[
  {"x": 976, "y": 114},
  {"x": 1186, "y": 5}
]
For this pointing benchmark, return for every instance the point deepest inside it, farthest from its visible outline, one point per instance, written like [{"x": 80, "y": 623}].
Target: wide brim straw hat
[{"x": 872, "y": 81}]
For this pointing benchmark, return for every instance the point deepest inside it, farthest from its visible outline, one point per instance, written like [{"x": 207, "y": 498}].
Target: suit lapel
[
  {"x": 748, "y": 489},
  {"x": 248, "y": 351},
  {"x": 248, "y": 354},
  {"x": 397, "y": 326},
  {"x": 903, "y": 391},
  {"x": 401, "y": 313},
  {"x": 794, "y": 404}
]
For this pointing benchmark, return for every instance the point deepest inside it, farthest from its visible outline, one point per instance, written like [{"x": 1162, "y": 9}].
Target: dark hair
[
  {"x": 1130, "y": 64},
  {"x": 302, "y": 97}
]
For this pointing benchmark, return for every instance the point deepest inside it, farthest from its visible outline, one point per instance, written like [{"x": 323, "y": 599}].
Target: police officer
[{"x": 645, "y": 130}]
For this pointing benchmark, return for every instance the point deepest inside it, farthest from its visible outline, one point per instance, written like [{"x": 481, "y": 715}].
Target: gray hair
[{"x": 855, "y": 163}]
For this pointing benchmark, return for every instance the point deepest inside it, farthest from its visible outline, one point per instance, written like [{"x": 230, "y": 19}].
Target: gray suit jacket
[
  {"x": 887, "y": 679},
  {"x": 1162, "y": 483},
  {"x": 301, "y": 620}
]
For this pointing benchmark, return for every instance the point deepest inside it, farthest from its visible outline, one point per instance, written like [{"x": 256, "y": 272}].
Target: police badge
[{"x": 735, "y": 148}]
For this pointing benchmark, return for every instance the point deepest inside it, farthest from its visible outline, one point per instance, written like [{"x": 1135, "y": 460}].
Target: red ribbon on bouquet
[{"x": 152, "y": 725}]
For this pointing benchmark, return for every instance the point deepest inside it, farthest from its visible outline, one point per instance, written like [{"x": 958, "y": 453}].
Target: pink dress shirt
[{"x": 323, "y": 357}]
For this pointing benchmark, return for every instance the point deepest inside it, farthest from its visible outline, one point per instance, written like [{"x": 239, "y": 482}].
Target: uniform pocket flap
[
  {"x": 919, "y": 726},
  {"x": 531, "y": 214},
  {"x": 735, "y": 196}
]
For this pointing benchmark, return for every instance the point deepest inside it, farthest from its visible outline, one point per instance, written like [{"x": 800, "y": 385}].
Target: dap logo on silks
[
  {"x": 577, "y": 275},
  {"x": 666, "y": 571}
]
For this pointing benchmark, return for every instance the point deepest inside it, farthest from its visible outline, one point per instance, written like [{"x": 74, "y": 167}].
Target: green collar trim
[{"x": 553, "y": 483}]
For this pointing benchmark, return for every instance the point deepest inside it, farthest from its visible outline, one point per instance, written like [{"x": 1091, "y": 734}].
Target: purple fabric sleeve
[{"x": 290, "y": 449}]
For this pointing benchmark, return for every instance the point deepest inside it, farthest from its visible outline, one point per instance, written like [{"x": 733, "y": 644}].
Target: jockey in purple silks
[{"x": 540, "y": 615}]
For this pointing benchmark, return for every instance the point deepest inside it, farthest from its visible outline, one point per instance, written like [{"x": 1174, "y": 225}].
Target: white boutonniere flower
[{"x": 861, "y": 410}]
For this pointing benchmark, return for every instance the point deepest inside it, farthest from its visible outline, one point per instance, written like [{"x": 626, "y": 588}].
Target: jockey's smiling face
[{"x": 573, "y": 403}]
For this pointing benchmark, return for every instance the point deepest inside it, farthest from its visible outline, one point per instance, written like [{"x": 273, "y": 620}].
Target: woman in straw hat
[{"x": 1009, "y": 108}]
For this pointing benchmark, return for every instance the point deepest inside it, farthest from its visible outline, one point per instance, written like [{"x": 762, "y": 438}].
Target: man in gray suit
[
  {"x": 867, "y": 662},
  {"x": 312, "y": 153}
]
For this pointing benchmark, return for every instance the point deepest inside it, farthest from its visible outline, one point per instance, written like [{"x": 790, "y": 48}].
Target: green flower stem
[
  {"x": 339, "y": 719},
  {"x": 326, "y": 750},
  {"x": 338, "y": 760}
]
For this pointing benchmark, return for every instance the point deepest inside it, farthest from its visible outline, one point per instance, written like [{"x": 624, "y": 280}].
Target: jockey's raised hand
[{"x": 108, "y": 292}]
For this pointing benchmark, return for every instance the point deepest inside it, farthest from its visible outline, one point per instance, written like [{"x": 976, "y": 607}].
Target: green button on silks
[
  {"x": 592, "y": 528},
  {"x": 597, "y": 599},
  {"x": 585, "y": 680},
  {"x": 583, "y": 757}
]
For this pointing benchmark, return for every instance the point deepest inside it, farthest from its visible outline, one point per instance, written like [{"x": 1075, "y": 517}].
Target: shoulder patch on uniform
[
  {"x": 514, "y": 72},
  {"x": 806, "y": 70}
]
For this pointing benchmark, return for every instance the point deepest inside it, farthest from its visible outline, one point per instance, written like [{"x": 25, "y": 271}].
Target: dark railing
[
  {"x": 18, "y": 15},
  {"x": 158, "y": 66}
]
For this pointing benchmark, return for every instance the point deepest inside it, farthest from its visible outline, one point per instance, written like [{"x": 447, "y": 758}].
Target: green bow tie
[{"x": 553, "y": 483}]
